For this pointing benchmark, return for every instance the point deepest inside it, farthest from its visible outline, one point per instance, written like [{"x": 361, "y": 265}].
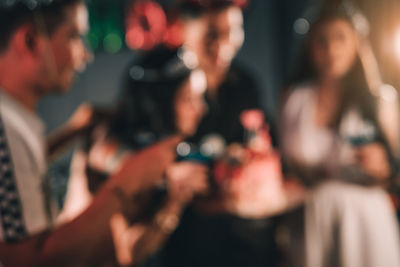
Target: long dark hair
[
  {"x": 354, "y": 89},
  {"x": 146, "y": 111}
]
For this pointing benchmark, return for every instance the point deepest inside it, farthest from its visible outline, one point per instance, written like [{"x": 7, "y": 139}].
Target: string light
[{"x": 397, "y": 43}]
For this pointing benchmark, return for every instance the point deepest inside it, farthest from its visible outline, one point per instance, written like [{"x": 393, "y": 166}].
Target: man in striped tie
[{"x": 41, "y": 49}]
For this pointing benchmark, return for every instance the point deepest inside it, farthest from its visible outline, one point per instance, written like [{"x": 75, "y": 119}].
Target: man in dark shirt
[
  {"x": 238, "y": 92},
  {"x": 214, "y": 32}
]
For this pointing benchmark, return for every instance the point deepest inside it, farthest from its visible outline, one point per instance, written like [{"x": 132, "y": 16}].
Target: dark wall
[{"x": 267, "y": 52}]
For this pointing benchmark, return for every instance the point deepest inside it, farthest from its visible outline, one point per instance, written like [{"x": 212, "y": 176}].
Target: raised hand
[{"x": 144, "y": 169}]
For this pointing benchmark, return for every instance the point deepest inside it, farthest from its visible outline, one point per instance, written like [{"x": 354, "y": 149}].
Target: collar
[{"x": 30, "y": 118}]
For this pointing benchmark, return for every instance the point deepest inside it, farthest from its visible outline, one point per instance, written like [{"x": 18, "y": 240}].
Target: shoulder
[
  {"x": 24, "y": 134},
  {"x": 299, "y": 93},
  {"x": 17, "y": 118},
  {"x": 298, "y": 97}
]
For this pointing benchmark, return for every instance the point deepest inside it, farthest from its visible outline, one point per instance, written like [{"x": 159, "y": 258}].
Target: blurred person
[
  {"x": 331, "y": 139},
  {"x": 41, "y": 49},
  {"x": 214, "y": 32},
  {"x": 232, "y": 226},
  {"x": 162, "y": 96}
]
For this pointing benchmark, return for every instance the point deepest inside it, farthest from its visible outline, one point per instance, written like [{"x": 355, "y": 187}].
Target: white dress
[{"x": 346, "y": 224}]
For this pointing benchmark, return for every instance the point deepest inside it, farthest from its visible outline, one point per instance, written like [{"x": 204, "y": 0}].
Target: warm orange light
[
  {"x": 146, "y": 24},
  {"x": 397, "y": 43}
]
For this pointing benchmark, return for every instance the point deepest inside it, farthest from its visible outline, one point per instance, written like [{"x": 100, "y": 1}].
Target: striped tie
[{"x": 10, "y": 204}]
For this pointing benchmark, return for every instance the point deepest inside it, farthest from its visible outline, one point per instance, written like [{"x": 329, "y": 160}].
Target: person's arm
[
  {"x": 78, "y": 196},
  {"x": 387, "y": 98},
  {"x": 62, "y": 137},
  {"x": 79, "y": 240},
  {"x": 80, "y": 125},
  {"x": 135, "y": 243},
  {"x": 71, "y": 243}
]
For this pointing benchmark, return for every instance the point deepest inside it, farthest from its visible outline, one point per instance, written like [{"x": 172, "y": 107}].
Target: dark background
[{"x": 269, "y": 51}]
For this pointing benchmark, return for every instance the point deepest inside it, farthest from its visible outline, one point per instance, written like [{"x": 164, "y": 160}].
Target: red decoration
[
  {"x": 252, "y": 119},
  {"x": 146, "y": 25},
  {"x": 173, "y": 36}
]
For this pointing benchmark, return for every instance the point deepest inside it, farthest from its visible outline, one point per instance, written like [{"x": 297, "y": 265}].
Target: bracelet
[{"x": 166, "y": 223}]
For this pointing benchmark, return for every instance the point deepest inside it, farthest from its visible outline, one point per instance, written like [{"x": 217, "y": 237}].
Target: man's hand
[
  {"x": 81, "y": 117},
  {"x": 186, "y": 179},
  {"x": 143, "y": 170}
]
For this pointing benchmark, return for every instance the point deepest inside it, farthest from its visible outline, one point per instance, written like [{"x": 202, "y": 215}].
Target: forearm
[
  {"x": 158, "y": 231},
  {"x": 82, "y": 121},
  {"x": 69, "y": 244},
  {"x": 61, "y": 139}
]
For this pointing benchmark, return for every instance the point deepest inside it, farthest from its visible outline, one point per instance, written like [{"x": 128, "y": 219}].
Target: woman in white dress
[{"x": 332, "y": 140}]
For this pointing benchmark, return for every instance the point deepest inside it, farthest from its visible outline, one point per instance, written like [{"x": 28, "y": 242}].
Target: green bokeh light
[{"x": 112, "y": 43}]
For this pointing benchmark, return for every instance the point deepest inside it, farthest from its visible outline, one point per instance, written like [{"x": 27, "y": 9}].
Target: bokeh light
[
  {"x": 397, "y": 43},
  {"x": 112, "y": 43},
  {"x": 301, "y": 26},
  {"x": 146, "y": 24}
]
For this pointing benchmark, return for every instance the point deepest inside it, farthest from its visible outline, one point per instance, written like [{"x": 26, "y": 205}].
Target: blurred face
[
  {"x": 189, "y": 103},
  {"x": 216, "y": 37},
  {"x": 66, "y": 53},
  {"x": 334, "y": 48}
]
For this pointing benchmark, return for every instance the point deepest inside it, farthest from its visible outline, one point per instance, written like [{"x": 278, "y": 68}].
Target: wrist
[
  {"x": 124, "y": 200},
  {"x": 166, "y": 222}
]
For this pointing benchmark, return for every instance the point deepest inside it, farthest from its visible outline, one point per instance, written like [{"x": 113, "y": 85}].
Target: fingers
[
  {"x": 119, "y": 227},
  {"x": 201, "y": 186},
  {"x": 146, "y": 168},
  {"x": 373, "y": 159},
  {"x": 125, "y": 237},
  {"x": 187, "y": 179},
  {"x": 82, "y": 116},
  {"x": 171, "y": 142},
  {"x": 371, "y": 153},
  {"x": 164, "y": 152},
  {"x": 187, "y": 172}
]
